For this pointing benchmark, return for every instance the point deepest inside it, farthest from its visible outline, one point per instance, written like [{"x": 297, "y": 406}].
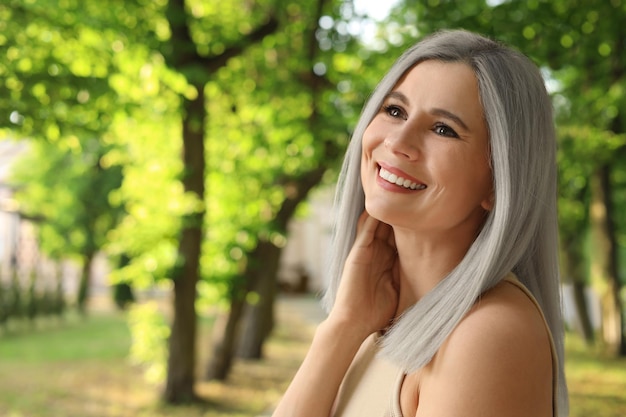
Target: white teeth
[{"x": 394, "y": 179}]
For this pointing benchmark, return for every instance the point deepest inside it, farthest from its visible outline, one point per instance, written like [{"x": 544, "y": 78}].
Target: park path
[{"x": 306, "y": 308}]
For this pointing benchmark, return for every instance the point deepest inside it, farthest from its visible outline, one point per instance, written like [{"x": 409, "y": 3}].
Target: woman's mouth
[{"x": 399, "y": 181}]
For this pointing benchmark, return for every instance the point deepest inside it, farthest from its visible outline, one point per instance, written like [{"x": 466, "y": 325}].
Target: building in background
[{"x": 303, "y": 262}]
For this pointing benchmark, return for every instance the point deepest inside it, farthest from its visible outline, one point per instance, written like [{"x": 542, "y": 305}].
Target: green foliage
[
  {"x": 581, "y": 149},
  {"x": 153, "y": 197},
  {"x": 66, "y": 190},
  {"x": 63, "y": 57},
  {"x": 93, "y": 83},
  {"x": 46, "y": 87},
  {"x": 278, "y": 112},
  {"x": 149, "y": 332},
  {"x": 107, "y": 104}
]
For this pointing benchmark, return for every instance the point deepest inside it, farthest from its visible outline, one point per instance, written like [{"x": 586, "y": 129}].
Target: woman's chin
[{"x": 382, "y": 212}]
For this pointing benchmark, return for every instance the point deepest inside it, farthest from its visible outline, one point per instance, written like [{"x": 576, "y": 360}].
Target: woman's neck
[{"x": 424, "y": 261}]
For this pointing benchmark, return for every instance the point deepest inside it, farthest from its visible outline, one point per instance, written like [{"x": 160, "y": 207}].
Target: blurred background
[{"x": 167, "y": 172}]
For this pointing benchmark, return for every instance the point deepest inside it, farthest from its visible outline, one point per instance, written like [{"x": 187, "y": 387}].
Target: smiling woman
[
  {"x": 420, "y": 133},
  {"x": 444, "y": 297}
]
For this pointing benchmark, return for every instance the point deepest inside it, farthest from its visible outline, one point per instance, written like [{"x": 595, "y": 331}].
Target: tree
[
  {"x": 298, "y": 121},
  {"x": 580, "y": 151},
  {"x": 182, "y": 55},
  {"x": 91, "y": 84},
  {"x": 67, "y": 192},
  {"x": 60, "y": 96}
]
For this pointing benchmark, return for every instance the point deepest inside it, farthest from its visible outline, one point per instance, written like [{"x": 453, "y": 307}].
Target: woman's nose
[{"x": 402, "y": 145}]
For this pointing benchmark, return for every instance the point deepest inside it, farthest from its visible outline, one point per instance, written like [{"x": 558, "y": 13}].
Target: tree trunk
[
  {"x": 259, "y": 314},
  {"x": 575, "y": 273},
  {"x": 223, "y": 339},
  {"x": 582, "y": 312},
  {"x": 223, "y": 347},
  {"x": 181, "y": 362},
  {"x": 263, "y": 266},
  {"x": 260, "y": 317},
  {"x": 85, "y": 284},
  {"x": 226, "y": 331},
  {"x": 604, "y": 267},
  {"x": 181, "y": 54}
]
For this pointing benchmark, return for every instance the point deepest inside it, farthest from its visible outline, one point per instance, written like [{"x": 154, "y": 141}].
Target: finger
[
  {"x": 361, "y": 221},
  {"x": 367, "y": 234},
  {"x": 383, "y": 230},
  {"x": 395, "y": 275},
  {"x": 385, "y": 233},
  {"x": 391, "y": 238}
]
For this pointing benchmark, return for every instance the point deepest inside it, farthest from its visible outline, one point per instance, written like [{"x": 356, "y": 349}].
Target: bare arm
[
  {"x": 314, "y": 388},
  {"x": 497, "y": 362},
  {"x": 366, "y": 302}
]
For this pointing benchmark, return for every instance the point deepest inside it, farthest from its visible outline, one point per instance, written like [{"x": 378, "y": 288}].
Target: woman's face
[{"x": 425, "y": 160}]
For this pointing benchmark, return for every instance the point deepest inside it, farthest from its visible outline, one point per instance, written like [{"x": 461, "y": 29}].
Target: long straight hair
[{"x": 520, "y": 232}]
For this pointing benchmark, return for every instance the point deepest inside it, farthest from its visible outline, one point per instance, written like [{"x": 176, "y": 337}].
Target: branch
[
  {"x": 297, "y": 190},
  {"x": 250, "y": 39},
  {"x": 182, "y": 48},
  {"x": 183, "y": 55},
  {"x": 36, "y": 218}
]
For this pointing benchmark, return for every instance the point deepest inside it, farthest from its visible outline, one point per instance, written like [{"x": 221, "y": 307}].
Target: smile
[{"x": 394, "y": 179}]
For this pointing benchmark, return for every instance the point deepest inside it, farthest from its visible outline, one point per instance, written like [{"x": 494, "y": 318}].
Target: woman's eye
[
  {"x": 445, "y": 130},
  {"x": 394, "y": 111}
]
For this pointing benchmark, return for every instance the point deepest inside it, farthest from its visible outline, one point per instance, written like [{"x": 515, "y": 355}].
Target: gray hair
[{"x": 519, "y": 234}]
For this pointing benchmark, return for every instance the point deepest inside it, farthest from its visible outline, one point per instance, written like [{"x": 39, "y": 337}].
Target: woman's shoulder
[
  {"x": 503, "y": 314},
  {"x": 498, "y": 358}
]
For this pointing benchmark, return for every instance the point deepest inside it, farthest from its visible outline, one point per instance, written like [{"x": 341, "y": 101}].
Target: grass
[
  {"x": 80, "y": 368},
  {"x": 597, "y": 383}
]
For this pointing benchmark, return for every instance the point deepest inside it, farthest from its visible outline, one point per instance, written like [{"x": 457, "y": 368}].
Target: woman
[{"x": 444, "y": 293}]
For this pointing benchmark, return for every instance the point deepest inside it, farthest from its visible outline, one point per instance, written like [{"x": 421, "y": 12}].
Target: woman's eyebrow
[
  {"x": 398, "y": 96},
  {"x": 449, "y": 115},
  {"x": 435, "y": 111}
]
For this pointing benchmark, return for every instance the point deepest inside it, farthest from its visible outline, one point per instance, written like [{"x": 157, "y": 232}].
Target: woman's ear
[{"x": 488, "y": 203}]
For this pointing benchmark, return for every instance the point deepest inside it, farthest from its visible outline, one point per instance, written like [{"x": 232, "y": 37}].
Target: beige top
[{"x": 372, "y": 385}]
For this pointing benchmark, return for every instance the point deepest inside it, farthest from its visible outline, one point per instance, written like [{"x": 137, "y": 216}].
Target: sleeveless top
[{"x": 372, "y": 385}]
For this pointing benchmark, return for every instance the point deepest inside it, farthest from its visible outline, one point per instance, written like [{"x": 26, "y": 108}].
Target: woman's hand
[
  {"x": 368, "y": 293},
  {"x": 366, "y": 302}
]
